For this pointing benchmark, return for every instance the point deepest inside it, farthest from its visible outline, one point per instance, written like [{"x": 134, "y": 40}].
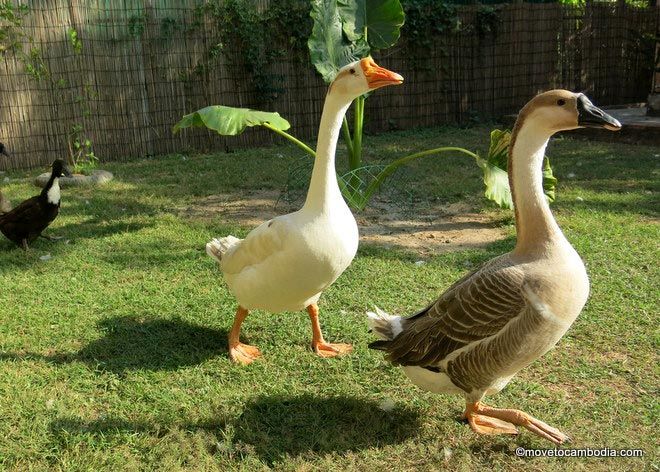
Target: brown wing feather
[
  {"x": 478, "y": 368},
  {"x": 475, "y": 307}
]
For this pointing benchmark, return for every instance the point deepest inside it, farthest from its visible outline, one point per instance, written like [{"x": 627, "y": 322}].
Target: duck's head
[
  {"x": 3, "y": 150},
  {"x": 561, "y": 110},
  {"x": 60, "y": 169},
  {"x": 360, "y": 77}
]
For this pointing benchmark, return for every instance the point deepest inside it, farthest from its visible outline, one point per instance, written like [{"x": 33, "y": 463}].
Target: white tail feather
[
  {"x": 385, "y": 326},
  {"x": 218, "y": 247}
]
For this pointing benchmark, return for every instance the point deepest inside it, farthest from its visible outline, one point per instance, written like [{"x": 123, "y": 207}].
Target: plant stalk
[
  {"x": 295, "y": 141},
  {"x": 347, "y": 139},
  {"x": 356, "y": 158},
  {"x": 390, "y": 168}
]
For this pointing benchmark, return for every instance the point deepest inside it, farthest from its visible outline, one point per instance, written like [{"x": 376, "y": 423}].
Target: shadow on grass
[
  {"x": 111, "y": 220},
  {"x": 137, "y": 253},
  {"x": 132, "y": 343},
  {"x": 633, "y": 203},
  {"x": 162, "y": 254},
  {"x": 492, "y": 449},
  {"x": 278, "y": 426},
  {"x": 96, "y": 228}
]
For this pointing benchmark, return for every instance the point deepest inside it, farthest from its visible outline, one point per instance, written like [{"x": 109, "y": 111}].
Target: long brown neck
[{"x": 536, "y": 228}]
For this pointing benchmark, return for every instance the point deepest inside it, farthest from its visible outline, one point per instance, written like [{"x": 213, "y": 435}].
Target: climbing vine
[
  {"x": 429, "y": 23},
  {"x": 253, "y": 37},
  {"x": 426, "y": 20},
  {"x": 487, "y": 20},
  {"x": 17, "y": 42}
]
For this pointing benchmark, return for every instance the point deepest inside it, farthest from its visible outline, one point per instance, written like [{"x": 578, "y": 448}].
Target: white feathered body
[{"x": 285, "y": 263}]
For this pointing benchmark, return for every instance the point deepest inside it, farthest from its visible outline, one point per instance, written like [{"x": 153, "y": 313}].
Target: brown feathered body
[
  {"x": 488, "y": 325},
  {"x": 498, "y": 319}
]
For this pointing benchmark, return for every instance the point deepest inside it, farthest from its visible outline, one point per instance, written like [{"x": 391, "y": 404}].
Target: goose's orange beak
[{"x": 377, "y": 76}]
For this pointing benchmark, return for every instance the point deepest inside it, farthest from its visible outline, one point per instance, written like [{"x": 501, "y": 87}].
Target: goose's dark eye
[
  {"x": 352, "y": 71},
  {"x": 561, "y": 102}
]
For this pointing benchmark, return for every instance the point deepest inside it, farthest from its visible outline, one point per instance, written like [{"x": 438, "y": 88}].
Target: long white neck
[
  {"x": 536, "y": 228},
  {"x": 323, "y": 187}
]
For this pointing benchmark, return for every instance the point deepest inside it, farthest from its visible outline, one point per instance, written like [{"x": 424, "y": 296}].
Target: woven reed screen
[{"x": 140, "y": 81}]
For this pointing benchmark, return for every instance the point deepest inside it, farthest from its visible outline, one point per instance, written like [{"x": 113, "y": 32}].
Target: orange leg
[
  {"x": 319, "y": 345},
  {"x": 238, "y": 352},
  {"x": 487, "y": 420}
]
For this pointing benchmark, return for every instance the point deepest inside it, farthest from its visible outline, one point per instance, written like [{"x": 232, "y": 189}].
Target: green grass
[{"x": 113, "y": 352}]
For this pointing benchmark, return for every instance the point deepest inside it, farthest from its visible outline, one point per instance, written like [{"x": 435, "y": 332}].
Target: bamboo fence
[{"x": 140, "y": 72}]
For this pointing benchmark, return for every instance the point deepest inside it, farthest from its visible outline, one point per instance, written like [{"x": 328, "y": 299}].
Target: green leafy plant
[
  {"x": 487, "y": 20},
  {"x": 345, "y": 31},
  {"x": 74, "y": 40},
  {"x": 496, "y": 178},
  {"x": 81, "y": 153},
  {"x": 136, "y": 25},
  {"x": 231, "y": 121},
  {"x": 429, "y": 24},
  {"x": 494, "y": 168},
  {"x": 14, "y": 40}
]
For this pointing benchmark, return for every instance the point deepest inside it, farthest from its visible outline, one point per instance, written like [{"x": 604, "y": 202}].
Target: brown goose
[
  {"x": 500, "y": 318},
  {"x": 5, "y": 205}
]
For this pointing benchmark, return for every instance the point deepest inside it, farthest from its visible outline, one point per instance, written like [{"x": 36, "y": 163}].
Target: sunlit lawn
[{"x": 113, "y": 352}]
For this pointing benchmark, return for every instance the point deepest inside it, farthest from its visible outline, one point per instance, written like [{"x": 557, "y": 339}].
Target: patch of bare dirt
[{"x": 432, "y": 230}]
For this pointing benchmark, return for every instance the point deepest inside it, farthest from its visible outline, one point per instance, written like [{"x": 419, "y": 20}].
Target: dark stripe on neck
[{"x": 514, "y": 137}]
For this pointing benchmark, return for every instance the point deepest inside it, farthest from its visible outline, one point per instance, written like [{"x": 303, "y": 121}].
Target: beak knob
[
  {"x": 377, "y": 76},
  {"x": 590, "y": 116}
]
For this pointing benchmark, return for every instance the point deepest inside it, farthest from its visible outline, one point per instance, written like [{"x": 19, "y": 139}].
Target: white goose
[
  {"x": 286, "y": 263},
  {"x": 500, "y": 318}
]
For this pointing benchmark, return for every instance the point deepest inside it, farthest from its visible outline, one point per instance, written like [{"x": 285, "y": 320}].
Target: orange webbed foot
[
  {"x": 244, "y": 354},
  {"x": 487, "y": 420},
  {"x": 484, "y": 425},
  {"x": 324, "y": 349}
]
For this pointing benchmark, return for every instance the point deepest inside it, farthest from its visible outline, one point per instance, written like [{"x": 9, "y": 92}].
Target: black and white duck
[{"x": 25, "y": 223}]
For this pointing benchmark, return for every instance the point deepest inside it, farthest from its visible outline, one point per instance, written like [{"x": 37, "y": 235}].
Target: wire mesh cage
[{"x": 396, "y": 189}]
